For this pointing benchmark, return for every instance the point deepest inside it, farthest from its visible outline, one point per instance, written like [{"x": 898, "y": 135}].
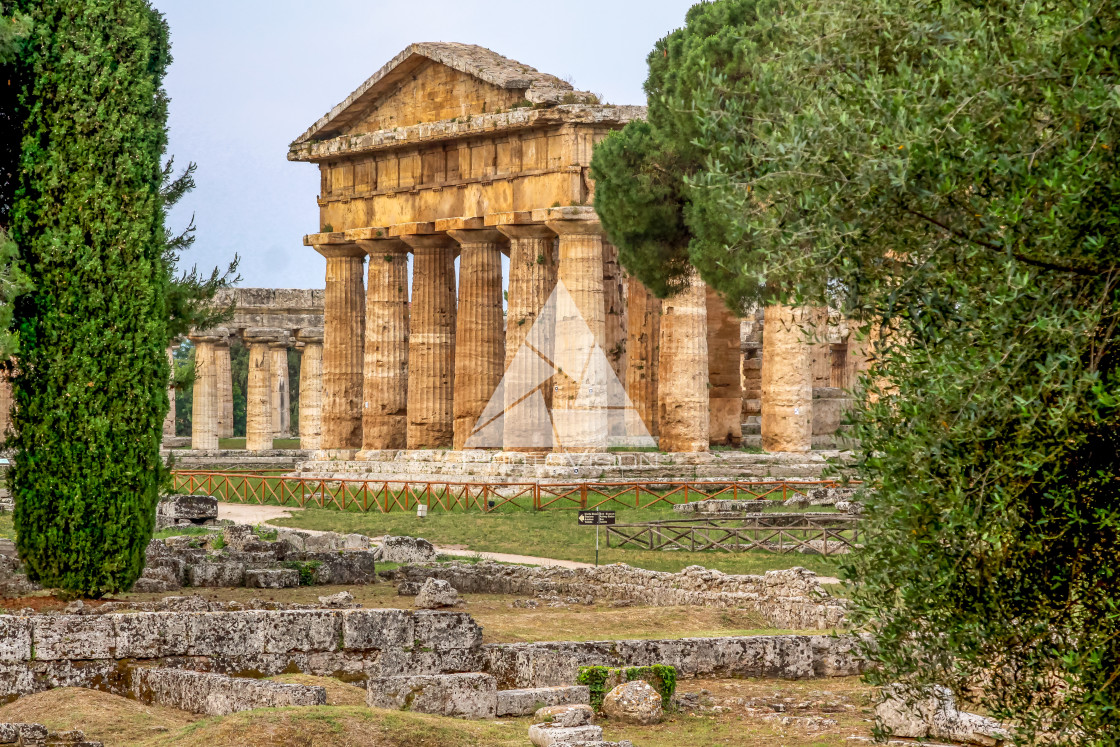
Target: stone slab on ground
[
  {"x": 216, "y": 694},
  {"x": 529, "y": 700},
  {"x": 186, "y": 509},
  {"x": 405, "y": 550},
  {"x": 37, "y": 735},
  {"x": 633, "y": 703},
  {"x": 547, "y": 735},
  {"x": 469, "y": 695},
  {"x": 271, "y": 578},
  {"x": 435, "y": 594},
  {"x": 933, "y": 712}
]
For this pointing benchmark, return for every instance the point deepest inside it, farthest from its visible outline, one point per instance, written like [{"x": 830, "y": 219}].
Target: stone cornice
[{"x": 453, "y": 129}]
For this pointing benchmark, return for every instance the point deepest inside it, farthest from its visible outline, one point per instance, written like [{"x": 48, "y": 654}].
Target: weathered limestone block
[
  {"x": 15, "y": 639},
  {"x": 933, "y": 713},
  {"x": 186, "y": 509},
  {"x": 575, "y": 714},
  {"x": 405, "y": 550},
  {"x": 23, "y": 734},
  {"x": 271, "y": 578},
  {"x": 358, "y": 567},
  {"x": 216, "y": 694},
  {"x": 431, "y": 344},
  {"x": 281, "y": 399},
  {"x": 216, "y": 574},
  {"x": 435, "y": 594},
  {"x": 829, "y": 405},
  {"x": 643, "y": 332},
  {"x": 787, "y": 383},
  {"x": 579, "y": 398},
  {"x": 310, "y": 387},
  {"x": 479, "y": 329},
  {"x": 633, "y": 703},
  {"x": 532, "y": 279},
  {"x": 466, "y": 695},
  {"x": 384, "y": 411},
  {"x": 343, "y": 336},
  {"x": 725, "y": 394},
  {"x": 377, "y": 630},
  {"x": 547, "y": 735},
  {"x": 683, "y": 370},
  {"x": 64, "y": 637},
  {"x": 149, "y": 636},
  {"x": 557, "y": 700}
]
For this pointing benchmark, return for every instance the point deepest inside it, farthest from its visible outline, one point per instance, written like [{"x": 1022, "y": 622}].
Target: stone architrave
[
  {"x": 479, "y": 332},
  {"x": 787, "y": 378},
  {"x": 579, "y": 401},
  {"x": 168, "y": 421},
  {"x": 343, "y": 338},
  {"x": 532, "y": 278},
  {"x": 310, "y": 386},
  {"x": 281, "y": 396},
  {"x": 204, "y": 412},
  {"x": 385, "y": 389},
  {"x": 643, "y": 331},
  {"x": 725, "y": 394},
  {"x": 683, "y": 370},
  {"x": 431, "y": 344},
  {"x": 258, "y": 406},
  {"x": 225, "y": 389}
]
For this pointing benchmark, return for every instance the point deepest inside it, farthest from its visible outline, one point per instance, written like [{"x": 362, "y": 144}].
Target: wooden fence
[
  {"x": 821, "y": 533},
  {"x": 356, "y": 494}
]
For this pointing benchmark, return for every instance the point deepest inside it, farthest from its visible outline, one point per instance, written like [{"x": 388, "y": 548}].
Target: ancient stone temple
[{"x": 449, "y": 157}]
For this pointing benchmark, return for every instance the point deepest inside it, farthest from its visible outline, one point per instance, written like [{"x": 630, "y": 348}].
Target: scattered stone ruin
[{"x": 37, "y": 735}]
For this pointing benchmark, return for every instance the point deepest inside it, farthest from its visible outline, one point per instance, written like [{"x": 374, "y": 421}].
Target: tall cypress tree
[{"x": 91, "y": 385}]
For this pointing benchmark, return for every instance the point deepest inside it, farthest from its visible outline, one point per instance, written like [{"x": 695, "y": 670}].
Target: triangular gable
[{"x": 429, "y": 80}]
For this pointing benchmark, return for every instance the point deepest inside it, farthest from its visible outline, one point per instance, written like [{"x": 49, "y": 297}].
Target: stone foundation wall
[
  {"x": 520, "y": 665},
  {"x": 216, "y": 694},
  {"x": 46, "y": 651},
  {"x": 786, "y": 599}
]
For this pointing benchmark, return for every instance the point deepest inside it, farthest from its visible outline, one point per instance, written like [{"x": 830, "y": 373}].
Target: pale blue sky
[{"x": 250, "y": 75}]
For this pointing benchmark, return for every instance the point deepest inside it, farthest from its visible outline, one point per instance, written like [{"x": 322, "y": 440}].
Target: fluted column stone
[
  {"x": 258, "y": 405},
  {"x": 7, "y": 401},
  {"x": 168, "y": 421},
  {"x": 343, "y": 343},
  {"x": 579, "y": 403},
  {"x": 479, "y": 333},
  {"x": 431, "y": 345},
  {"x": 205, "y": 407},
  {"x": 683, "y": 370},
  {"x": 310, "y": 387},
  {"x": 787, "y": 378},
  {"x": 385, "y": 382},
  {"x": 725, "y": 393},
  {"x": 532, "y": 279},
  {"x": 643, "y": 331},
  {"x": 281, "y": 397},
  {"x": 225, "y": 389}
]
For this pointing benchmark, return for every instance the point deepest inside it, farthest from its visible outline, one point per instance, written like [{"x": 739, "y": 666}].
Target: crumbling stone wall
[{"x": 790, "y": 598}]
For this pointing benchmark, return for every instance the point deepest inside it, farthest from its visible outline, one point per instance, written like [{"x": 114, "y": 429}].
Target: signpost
[{"x": 596, "y": 519}]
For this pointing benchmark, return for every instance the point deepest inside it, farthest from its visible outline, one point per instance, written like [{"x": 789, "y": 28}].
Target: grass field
[
  {"x": 550, "y": 534},
  {"x": 239, "y": 443}
]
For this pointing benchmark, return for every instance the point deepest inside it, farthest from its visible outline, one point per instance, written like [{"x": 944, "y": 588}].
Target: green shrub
[{"x": 599, "y": 680}]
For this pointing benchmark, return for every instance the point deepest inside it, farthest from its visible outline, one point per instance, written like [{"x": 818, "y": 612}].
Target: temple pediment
[{"x": 439, "y": 82}]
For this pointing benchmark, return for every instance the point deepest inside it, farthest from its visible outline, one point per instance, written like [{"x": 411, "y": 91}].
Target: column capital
[
  {"x": 257, "y": 335},
  {"x": 309, "y": 334},
  {"x": 428, "y": 241},
  {"x": 477, "y": 236},
  {"x": 383, "y": 247},
  {"x": 331, "y": 251},
  {"x": 216, "y": 335},
  {"x": 526, "y": 231},
  {"x": 579, "y": 220}
]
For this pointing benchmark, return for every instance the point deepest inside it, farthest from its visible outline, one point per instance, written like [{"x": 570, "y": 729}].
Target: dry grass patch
[{"x": 109, "y": 718}]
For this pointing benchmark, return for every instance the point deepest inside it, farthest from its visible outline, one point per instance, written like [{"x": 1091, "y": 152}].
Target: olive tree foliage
[
  {"x": 948, "y": 172},
  {"x": 15, "y": 28}
]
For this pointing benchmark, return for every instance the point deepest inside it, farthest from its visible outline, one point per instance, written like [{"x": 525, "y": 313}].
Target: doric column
[
  {"x": 479, "y": 333},
  {"x": 532, "y": 279},
  {"x": 343, "y": 340},
  {"x": 579, "y": 403},
  {"x": 385, "y": 379},
  {"x": 643, "y": 330},
  {"x": 725, "y": 394},
  {"x": 614, "y": 310},
  {"x": 281, "y": 397},
  {"x": 168, "y": 422},
  {"x": 310, "y": 387},
  {"x": 6, "y": 403},
  {"x": 431, "y": 345},
  {"x": 683, "y": 372},
  {"x": 828, "y": 402},
  {"x": 225, "y": 389},
  {"x": 204, "y": 412},
  {"x": 787, "y": 379},
  {"x": 258, "y": 405}
]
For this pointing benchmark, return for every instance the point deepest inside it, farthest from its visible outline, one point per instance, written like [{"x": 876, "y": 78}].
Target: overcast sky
[{"x": 249, "y": 76}]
